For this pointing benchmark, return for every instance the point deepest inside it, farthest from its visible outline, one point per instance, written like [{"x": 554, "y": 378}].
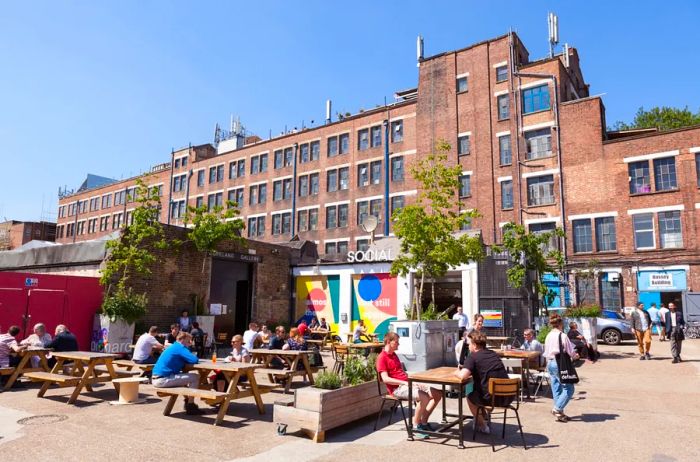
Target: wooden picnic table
[
  {"x": 233, "y": 371},
  {"x": 83, "y": 373},
  {"x": 442, "y": 376},
  {"x": 365, "y": 346},
  {"x": 525, "y": 357},
  {"x": 324, "y": 334},
  {"x": 25, "y": 364},
  {"x": 291, "y": 357}
]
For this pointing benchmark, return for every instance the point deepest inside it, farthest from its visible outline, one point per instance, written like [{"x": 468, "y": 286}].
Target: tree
[
  {"x": 664, "y": 118},
  {"x": 528, "y": 254},
  {"x": 208, "y": 228},
  {"x": 587, "y": 276},
  {"x": 132, "y": 253},
  {"x": 426, "y": 229}
]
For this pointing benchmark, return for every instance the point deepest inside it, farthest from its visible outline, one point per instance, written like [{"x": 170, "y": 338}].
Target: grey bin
[{"x": 425, "y": 345}]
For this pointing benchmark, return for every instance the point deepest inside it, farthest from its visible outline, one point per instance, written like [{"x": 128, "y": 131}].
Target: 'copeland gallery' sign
[{"x": 363, "y": 256}]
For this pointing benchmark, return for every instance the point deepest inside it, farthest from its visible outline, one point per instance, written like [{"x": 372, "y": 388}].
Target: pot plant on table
[{"x": 334, "y": 399}]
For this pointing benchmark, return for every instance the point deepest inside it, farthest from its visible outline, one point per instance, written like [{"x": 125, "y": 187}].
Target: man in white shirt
[
  {"x": 145, "y": 345},
  {"x": 662, "y": 317},
  {"x": 250, "y": 335},
  {"x": 462, "y": 321}
]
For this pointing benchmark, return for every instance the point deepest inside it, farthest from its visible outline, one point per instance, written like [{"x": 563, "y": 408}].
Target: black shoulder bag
[{"x": 567, "y": 371}]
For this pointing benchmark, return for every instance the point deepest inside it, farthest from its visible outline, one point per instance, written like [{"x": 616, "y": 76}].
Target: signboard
[
  {"x": 660, "y": 281},
  {"x": 237, "y": 256},
  {"x": 374, "y": 299},
  {"x": 31, "y": 282},
  {"x": 492, "y": 318},
  {"x": 362, "y": 256}
]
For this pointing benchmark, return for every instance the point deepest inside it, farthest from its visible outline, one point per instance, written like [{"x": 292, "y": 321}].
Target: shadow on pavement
[{"x": 594, "y": 417}]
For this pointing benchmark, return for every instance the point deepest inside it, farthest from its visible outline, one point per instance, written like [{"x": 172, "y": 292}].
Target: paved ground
[{"x": 625, "y": 409}]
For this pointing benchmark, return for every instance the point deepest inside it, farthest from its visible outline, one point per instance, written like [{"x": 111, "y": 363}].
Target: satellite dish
[{"x": 369, "y": 224}]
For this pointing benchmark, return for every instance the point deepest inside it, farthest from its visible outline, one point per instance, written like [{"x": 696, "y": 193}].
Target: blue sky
[{"x": 109, "y": 87}]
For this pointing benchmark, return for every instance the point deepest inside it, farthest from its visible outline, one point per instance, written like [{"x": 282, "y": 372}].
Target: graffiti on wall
[
  {"x": 374, "y": 299},
  {"x": 318, "y": 296}
]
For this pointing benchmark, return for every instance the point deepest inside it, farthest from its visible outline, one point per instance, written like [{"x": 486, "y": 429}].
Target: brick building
[
  {"x": 533, "y": 146},
  {"x": 15, "y": 233}
]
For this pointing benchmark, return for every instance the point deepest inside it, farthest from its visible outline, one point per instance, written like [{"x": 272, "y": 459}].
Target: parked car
[{"x": 613, "y": 328}]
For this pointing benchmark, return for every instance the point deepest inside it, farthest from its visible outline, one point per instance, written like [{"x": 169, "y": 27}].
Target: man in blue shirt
[{"x": 167, "y": 371}]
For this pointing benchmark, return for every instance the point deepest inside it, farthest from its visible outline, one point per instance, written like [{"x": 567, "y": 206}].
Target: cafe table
[
  {"x": 25, "y": 364},
  {"x": 525, "y": 356},
  {"x": 442, "y": 376},
  {"x": 291, "y": 358}
]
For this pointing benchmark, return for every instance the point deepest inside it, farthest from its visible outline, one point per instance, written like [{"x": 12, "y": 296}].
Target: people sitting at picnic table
[
  {"x": 168, "y": 370},
  {"x": 9, "y": 347},
  {"x": 314, "y": 324},
  {"x": 532, "y": 344},
  {"x": 39, "y": 339},
  {"x": 250, "y": 336},
  {"x": 359, "y": 332},
  {"x": 277, "y": 342},
  {"x": 482, "y": 365},
  {"x": 396, "y": 380},
  {"x": 185, "y": 321},
  {"x": 63, "y": 340},
  {"x": 143, "y": 350},
  {"x": 295, "y": 341},
  {"x": 238, "y": 354},
  {"x": 323, "y": 324},
  {"x": 303, "y": 328},
  {"x": 197, "y": 339},
  {"x": 582, "y": 347},
  {"x": 172, "y": 336},
  {"x": 265, "y": 335}
]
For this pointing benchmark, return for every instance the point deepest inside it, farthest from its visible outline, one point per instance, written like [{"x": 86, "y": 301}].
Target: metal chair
[
  {"x": 514, "y": 366},
  {"x": 339, "y": 354},
  {"x": 501, "y": 389},
  {"x": 395, "y": 402}
]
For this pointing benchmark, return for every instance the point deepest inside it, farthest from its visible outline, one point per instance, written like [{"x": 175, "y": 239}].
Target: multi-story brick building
[
  {"x": 533, "y": 147},
  {"x": 15, "y": 233}
]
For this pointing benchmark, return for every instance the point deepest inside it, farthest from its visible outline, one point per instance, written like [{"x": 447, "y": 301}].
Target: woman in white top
[{"x": 561, "y": 392}]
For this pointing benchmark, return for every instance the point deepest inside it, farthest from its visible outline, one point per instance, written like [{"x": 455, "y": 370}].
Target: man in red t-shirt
[{"x": 396, "y": 380}]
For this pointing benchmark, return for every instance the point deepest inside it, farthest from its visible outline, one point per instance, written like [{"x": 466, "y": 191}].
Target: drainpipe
[
  {"x": 75, "y": 223},
  {"x": 493, "y": 186},
  {"x": 170, "y": 189},
  {"x": 515, "y": 140},
  {"x": 387, "y": 202},
  {"x": 294, "y": 189}
]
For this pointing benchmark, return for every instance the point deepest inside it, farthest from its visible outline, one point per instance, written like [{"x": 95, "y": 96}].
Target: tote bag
[{"x": 567, "y": 371}]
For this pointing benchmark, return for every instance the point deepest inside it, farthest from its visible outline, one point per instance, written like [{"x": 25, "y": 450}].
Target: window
[
  {"x": 362, "y": 245},
  {"x": 463, "y": 145},
  {"x": 503, "y": 107},
  {"x": 303, "y": 186},
  {"x": 288, "y": 157},
  {"x": 262, "y": 193},
  {"x": 502, "y": 73},
  {"x": 130, "y": 197},
  {"x": 254, "y": 165},
  {"x": 236, "y": 195},
  {"x": 670, "y": 230},
  {"x": 184, "y": 162},
  {"x": 332, "y": 146},
  {"x": 304, "y": 153},
  {"x": 344, "y": 140},
  {"x": 332, "y": 180},
  {"x": 397, "y": 203},
  {"x": 504, "y": 150},
  {"x": 177, "y": 163},
  {"x": 263, "y": 163},
  {"x": 314, "y": 184},
  {"x": 232, "y": 170},
  {"x": 287, "y": 184},
  {"x": 507, "y": 194},
  {"x": 362, "y": 175},
  {"x": 363, "y": 139},
  {"x": 585, "y": 290},
  {"x": 256, "y": 227},
  {"x": 610, "y": 292},
  {"x": 583, "y": 236},
  {"x": 214, "y": 200},
  {"x": 177, "y": 209},
  {"x": 199, "y": 201},
  {"x": 241, "y": 168},
  {"x": 279, "y": 159},
  {"x": 536, "y": 99},
  {"x": 302, "y": 221},
  {"x": 376, "y": 136},
  {"x": 640, "y": 182},
  {"x": 313, "y": 219},
  {"x": 605, "y": 237},
  {"x": 253, "y": 195},
  {"x": 200, "y": 178},
  {"x": 179, "y": 183},
  {"x": 465, "y": 186},
  {"x": 344, "y": 178},
  {"x": 397, "y": 131},
  {"x": 276, "y": 193},
  {"x": 219, "y": 173},
  {"x": 362, "y": 211},
  {"x": 376, "y": 172},
  {"x": 119, "y": 197},
  {"x": 397, "y": 168},
  {"x": 257, "y": 194},
  {"x": 337, "y": 216},
  {"x": 336, "y": 248},
  {"x": 81, "y": 228},
  {"x": 540, "y": 228},
  {"x": 287, "y": 223},
  {"x": 644, "y": 231},
  {"x": 92, "y": 225},
  {"x": 539, "y": 143},
  {"x": 665, "y": 174},
  {"x": 281, "y": 223},
  {"x": 104, "y": 223},
  {"x": 540, "y": 190},
  {"x": 462, "y": 84},
  {"x": 697, "y": 169},
  {"x": 315, "y": 150},
  {"x": 364, "y": 208},
  {"x": 116, "y": 220},
  {"x": 212, "y": 175},
  {"x": 70, "y": 229}
]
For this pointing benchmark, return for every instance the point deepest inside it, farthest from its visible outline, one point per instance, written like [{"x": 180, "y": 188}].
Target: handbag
[{"x": 567, "y": 371}]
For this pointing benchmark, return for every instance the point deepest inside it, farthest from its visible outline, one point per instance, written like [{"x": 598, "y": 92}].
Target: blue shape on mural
[{"x": 369, "y": 287}]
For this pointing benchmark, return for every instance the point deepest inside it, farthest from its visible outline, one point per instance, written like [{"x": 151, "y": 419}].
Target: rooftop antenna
[
  {"x": 553, "y": 23},
  {"x": 328, "y": 111},
  {"x": 419, "y": 50},
  {"x": 566, "y": 55}
]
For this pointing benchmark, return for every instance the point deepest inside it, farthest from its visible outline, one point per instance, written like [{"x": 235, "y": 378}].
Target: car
[{"x": 613, "y": 328}]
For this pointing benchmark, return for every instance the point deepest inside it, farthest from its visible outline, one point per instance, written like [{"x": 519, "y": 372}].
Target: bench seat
[
  {"x": 50, "y": 377},
  {"x": 211, "y": 395},
  {"x": 129, "y": 364},
  {"x": 102, "y": 369},
  {"x": 6, "y": 370}
]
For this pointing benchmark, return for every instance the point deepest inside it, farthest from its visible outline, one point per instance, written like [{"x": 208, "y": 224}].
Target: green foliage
[
  {"x": 124, "y": 304},
  {"x": 584, "y": 311},
  {"x": 426, "y": 229},
  {"x": 359, "y": 370},
  {"x": 542, "y": 334},
  {"x": 328, "y": 380},
  {"x": 663, "y": 118},
  {"x": 589, "y": 275},
  {"x": 528, "y": 254},
  {"x": 431, "y": 313}
]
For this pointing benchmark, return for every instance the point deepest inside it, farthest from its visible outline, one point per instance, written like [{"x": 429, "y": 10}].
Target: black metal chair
[
  {"x": 501, "y": 388},
  {"x": 395, "y": 402}
]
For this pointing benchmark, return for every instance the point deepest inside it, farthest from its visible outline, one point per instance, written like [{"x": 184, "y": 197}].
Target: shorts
[
  {"x": 480, "y": 400},
  {"x": 402, "y": 391}
]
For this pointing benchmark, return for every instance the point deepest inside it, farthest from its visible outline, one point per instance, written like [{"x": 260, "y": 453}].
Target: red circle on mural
[{"x": 316, "y": 301}]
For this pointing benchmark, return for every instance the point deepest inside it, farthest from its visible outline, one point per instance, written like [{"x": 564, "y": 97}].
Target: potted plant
[
  {"x": 586, "y": 317},
  {"x": 334, "y": 399}
]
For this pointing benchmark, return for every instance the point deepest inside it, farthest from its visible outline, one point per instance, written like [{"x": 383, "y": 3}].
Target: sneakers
[
  {"x": 192, "y": 409},
  {"x": 419, "y": 434},
  {"x": 485, "y": 429},
  {"x": 560, "y": 416},
  {"x": 642, "y": 358},
  {"x": 648, "y": 356},
  {"x": 676, "y": 360}
]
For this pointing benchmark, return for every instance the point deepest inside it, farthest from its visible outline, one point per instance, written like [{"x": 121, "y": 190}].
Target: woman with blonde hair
[
  {"x": 561, "y": 392},
  {"x": 295, "y": 341}
]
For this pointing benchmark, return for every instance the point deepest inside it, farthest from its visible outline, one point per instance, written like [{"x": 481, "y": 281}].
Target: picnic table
[
  {"x": 525, "y": 356},
  {"x": 233, "y": 371},
  {"x": 83, "y": 374},
  {"x": 324, "y": 335},
  {"x": 367, "y": 346},
  {"x": 25, "y": 364},
  {"x": 442, "y": 376},
  {"x": 291, "y": 358}
]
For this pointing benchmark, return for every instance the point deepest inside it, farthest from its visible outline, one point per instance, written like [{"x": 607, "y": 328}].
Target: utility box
[{"x": 425, "y": 345}]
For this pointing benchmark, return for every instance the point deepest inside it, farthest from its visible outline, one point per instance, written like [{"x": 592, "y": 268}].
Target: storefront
[{"x": 661, "y": 285}]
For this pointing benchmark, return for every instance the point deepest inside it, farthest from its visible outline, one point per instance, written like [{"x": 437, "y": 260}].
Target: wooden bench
[
  {"x": 209, "y": 396},
  {"x": 6, "y": 370},
  {"x": 129, "y": 365},
  {"x": 121, "y": 373},
  {"x": 285, "y": 374},
  {"x": 49, "y": 378}
]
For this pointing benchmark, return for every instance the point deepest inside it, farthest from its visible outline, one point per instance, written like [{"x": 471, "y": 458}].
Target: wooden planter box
[{"x": 315, "y": 410}]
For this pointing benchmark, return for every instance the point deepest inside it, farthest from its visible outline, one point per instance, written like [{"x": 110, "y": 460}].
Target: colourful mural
[
  {"x": 374, "y": 299},
  {"x": 318, "y": 296}
]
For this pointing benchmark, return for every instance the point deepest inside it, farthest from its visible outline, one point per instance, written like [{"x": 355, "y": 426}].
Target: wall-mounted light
[{"x": 344, "y": 318}]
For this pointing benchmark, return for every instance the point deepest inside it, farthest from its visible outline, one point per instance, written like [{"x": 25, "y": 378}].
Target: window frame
[
  {"x": 503, "y": 195},
  {"x": 600, "y": 240},
  {"x": 502, "y": 73},
  {"x": 503, "y": 109},
  {"x": 462, "y": 146},
  {"x": 636, "y": 231},
  {"x": 582, "y": 233},
  {"x": 503, "y": 149},
  {"x": 533, "y": 179},
  {"x": 462, "y": 84},
  {"x": 534, "y": 99}
]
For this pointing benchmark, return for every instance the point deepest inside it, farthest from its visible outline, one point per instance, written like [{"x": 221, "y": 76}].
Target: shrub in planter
[
  {"x": 328, "y": 380},
  {"x": 585, "y": 311},
  {"x": 358, "y": 370},
  {"x": 124, "y": 304}
]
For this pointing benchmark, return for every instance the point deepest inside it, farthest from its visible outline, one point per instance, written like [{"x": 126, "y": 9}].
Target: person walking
[
  {"x": 641, "y": 325},
  {"x": 462, "y": 321},
  {"x": 662, "y": 316},
  {"x": 656, "y": 320},
  {"x": 674, "y": 331},
  {"x": 561, "y": 392}
]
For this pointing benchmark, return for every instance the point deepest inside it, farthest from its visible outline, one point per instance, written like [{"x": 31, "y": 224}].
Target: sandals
[{"x": 560, "y": 416}]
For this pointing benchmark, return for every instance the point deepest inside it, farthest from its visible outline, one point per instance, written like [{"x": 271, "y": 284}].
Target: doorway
[{"x": 231, "y": 286}]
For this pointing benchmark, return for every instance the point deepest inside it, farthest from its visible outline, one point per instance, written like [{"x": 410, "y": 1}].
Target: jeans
[
  {"x": 561, "y": 392},
  {"x": 188, "y": 379}
]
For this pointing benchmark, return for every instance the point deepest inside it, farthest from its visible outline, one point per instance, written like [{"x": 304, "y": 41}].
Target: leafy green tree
[
  {"x": 132, "y": 254},
  {"x": 427, "y": 229},
  {"x": 663, "y": 118},
  {"x": 208, "y": 228},
  {"x": 528, "y": 254}
]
